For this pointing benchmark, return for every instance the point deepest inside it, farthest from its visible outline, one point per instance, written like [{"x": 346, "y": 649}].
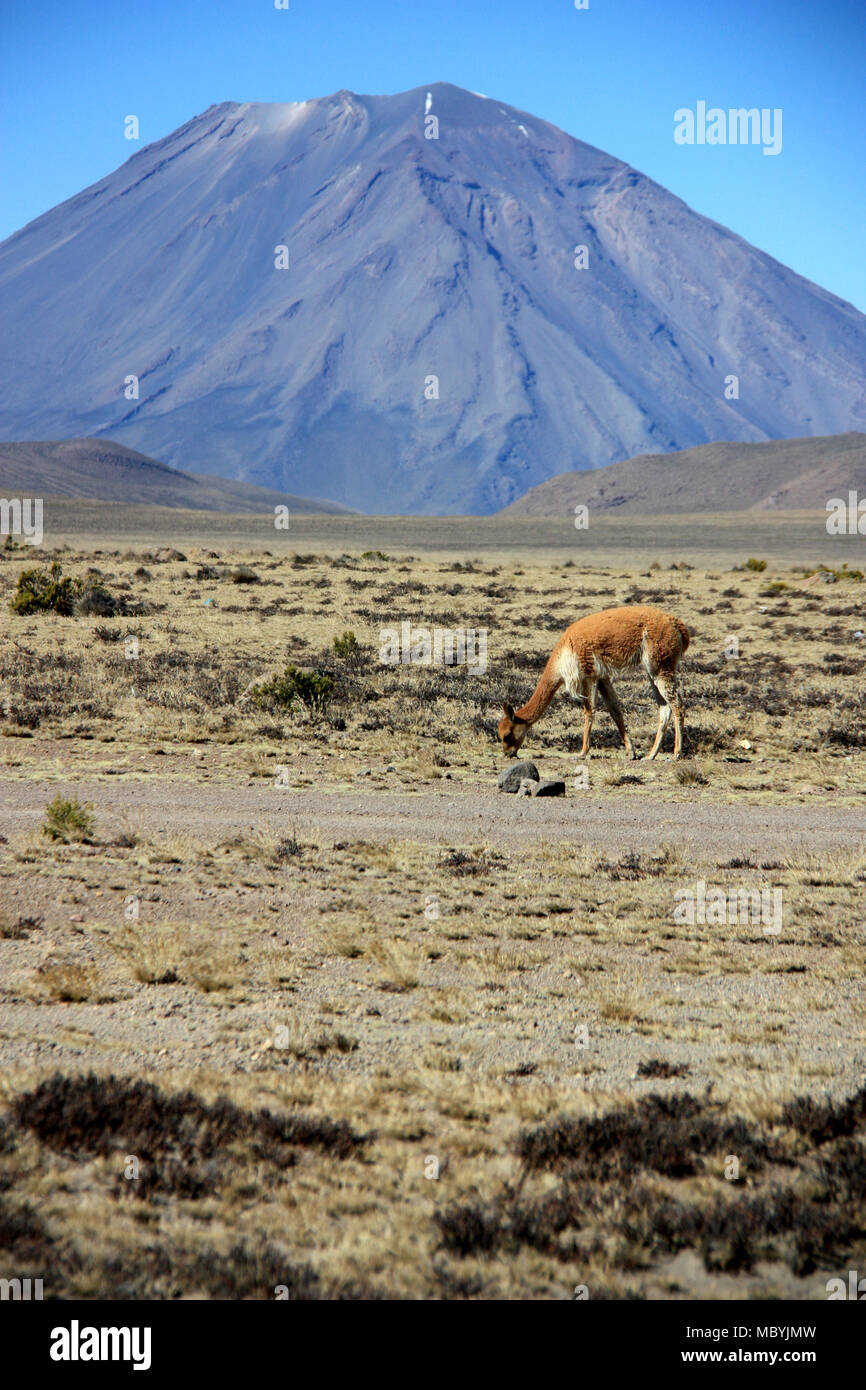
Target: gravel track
[{"x": 460, "y": 817}]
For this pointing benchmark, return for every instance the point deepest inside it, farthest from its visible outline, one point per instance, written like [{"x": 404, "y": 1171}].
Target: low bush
[
  {"x": 94, "y": 601},
  {"x": 347, "y": 645},
  {"x": 314, "y": 689},
  {"x": 45, "y": 591},
  {"x": 68, "y": 820}
]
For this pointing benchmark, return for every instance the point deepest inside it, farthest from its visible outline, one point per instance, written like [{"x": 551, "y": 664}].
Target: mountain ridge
[
  {"x": 103, "y": 470},
  {"x": 782, "y": 474}
]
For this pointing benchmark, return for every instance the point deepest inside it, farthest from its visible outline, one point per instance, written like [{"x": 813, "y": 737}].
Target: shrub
[
  {"x": 347, "y": 645},
  {"x": 68, "y": 820},
  {"x": 94, "y": 601},
  {"x": 757, "y": 565},
  {"x": 45, "y": 591},
  {"x": 314, "y": 689},
  {"x": 243, "y": 574},
  {"x": 20, "y": 929},
  {"x": 832, "y": 576},
  {"x": 689, "y": 774},
  {"x": 374, "y": 555},
  {"x": 288, "y": 848}
]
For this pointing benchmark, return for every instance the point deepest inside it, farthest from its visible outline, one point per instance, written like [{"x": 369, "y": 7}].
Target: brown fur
[{"x": 582, "y": 660}]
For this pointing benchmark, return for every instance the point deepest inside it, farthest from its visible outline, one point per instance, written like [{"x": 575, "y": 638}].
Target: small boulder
[
  {"x": 511, "y": 777},
  {"x": 550, "y": 788}
]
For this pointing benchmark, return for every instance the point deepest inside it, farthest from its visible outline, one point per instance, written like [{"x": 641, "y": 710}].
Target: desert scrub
[
  {"x": 832, "y": 576},
  {"x": 757, "y": 565},
  {"x": 690, "y": 774},
  {"x": 45, "y": 591},
  {"x": 95, "y": 601},
  {"x": 68, "y": 820},
  {"x": 777, "y": 586},
  {"x": 69, "y": 982},
  {"x": 346, "y": 645},
  {"x": 314, "y": 689}
]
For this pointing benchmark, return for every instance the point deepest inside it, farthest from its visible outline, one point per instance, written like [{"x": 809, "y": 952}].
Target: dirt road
[{"x": 452, "y": 817}]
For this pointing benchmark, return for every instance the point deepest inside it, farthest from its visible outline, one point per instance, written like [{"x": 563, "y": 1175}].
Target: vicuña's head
[{"x": 512, "y": 731}]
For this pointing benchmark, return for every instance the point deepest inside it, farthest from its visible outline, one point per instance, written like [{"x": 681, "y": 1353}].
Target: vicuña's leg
[
  {"x": 609, "y": 698},
  {"x": 667, "y": 684},
  {"x": 664, "y": 716},
  {"x": 586, "y": 696}
]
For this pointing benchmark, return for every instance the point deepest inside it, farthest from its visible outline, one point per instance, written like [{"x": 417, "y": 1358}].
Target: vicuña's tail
[{"x": 683, "y": 631}]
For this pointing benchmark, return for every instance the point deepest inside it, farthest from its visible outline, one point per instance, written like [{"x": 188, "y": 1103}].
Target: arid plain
[{"x": 376, "y": 1029}]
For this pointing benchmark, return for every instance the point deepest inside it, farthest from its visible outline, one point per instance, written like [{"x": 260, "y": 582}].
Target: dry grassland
[{"x": 355, "y": 1065}]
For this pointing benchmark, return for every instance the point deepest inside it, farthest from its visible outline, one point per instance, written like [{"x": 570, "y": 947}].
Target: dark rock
[
  {"x": 550, "y": 788},
  {"x": 511, "y": 777}
]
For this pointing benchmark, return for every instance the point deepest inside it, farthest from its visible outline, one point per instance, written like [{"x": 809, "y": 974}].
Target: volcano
[{"x": 428, "y": 302}]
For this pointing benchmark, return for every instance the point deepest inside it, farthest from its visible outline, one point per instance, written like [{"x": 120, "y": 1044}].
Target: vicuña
[{"x": 583, "y": 659}]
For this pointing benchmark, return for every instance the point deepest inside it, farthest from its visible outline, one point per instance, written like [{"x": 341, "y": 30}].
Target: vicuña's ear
[{"x": 509, "y": 710}]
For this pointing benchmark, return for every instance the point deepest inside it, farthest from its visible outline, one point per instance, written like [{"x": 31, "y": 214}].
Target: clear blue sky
[{"x": 612, "y": 75}]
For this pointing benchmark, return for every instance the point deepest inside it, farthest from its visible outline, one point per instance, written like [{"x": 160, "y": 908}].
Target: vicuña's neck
[{"x": 541, "y": 696}]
